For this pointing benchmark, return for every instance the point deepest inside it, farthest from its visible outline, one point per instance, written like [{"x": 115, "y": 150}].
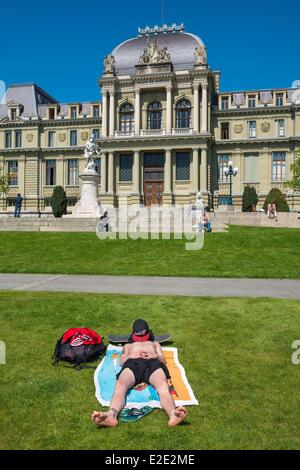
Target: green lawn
[
  {"x": 242, "y": 252},
  {"x": 236, "y": 352}
]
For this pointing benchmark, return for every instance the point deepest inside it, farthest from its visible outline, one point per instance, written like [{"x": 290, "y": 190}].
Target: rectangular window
[
  {"x": 13, "y": 114},
  {"x": 223, "y": 163},
  {"x": 279, "y": 99},
  {"x": 281, "y": 128},
  {"x": 96, "y": 133},
  {"x": 252, "y": 129},
  {"x": 224, "y": 103},
  {"x": 18, "y": 138},
  {"x": 225, "y": 130},
  {"x": 50, "y": 172},
  {"x": 183, "y": 166},
  {"x": 251, "y": 168},
  {"x": 8, "y": 139},
  {"x": 96, "y": 112},
  {"x": 72, "y": 172},
  {"x": 251, "y": 101},
  {"x": 51, "y": 113},
  {"x": 12, "y": 171},
  {"x": 126, "y": 167},
  {"x": 73, "y": 112},
  {"x": 278, "y": 166},
  {"x": 73, "y": 138},
  {"x": 51, "y": 138}
]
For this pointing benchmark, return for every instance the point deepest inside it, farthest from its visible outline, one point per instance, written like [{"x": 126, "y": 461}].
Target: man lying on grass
[{"x": 142, "y": 362}]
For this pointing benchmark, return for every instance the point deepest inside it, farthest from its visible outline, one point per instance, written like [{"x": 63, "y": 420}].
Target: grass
[
  {"x": 242, "y": 252},
  {"x": 236, "y": 352}
]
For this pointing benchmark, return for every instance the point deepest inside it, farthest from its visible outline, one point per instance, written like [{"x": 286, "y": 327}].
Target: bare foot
[
  {"x": 177, "y": 416},
  {"x": 107, "y": 419}
]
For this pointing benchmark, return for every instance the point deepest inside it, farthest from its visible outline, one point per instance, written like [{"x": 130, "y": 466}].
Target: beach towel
[{"x": 142, "y": 395}]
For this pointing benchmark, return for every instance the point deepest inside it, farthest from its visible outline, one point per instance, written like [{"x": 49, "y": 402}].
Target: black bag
[{"x": 79, "y": 352}]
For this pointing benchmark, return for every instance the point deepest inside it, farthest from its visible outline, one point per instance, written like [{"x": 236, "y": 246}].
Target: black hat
[{"x": 140, "y": 325}]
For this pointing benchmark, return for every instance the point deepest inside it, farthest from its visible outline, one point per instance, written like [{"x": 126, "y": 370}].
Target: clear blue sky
[{"x": 60, "y": 44}]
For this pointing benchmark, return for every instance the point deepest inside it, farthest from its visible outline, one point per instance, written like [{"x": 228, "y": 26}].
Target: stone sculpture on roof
[
  {"x": 154, "y": 55},
  {"x": 109, "y": 63},
  {"x": 200, "y": 55}
]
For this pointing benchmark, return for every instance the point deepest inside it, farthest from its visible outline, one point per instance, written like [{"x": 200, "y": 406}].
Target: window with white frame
[
  {"x": 251, "y": 101},
  {"x": 96, "y": 133},
  {"x": 50, "y": 172},
  {"x": 126, "y": 117},
  {"x": 13, "y": 114},
  {"x": 281, "y": 127},
  {"x": 73, "y": 172},
  {"x": 8, "y": 139},
  {"x": 251, "y": 167},
  {"x": 73, "y": 138},
  {"x": 278, "y": 166},
  {"x": 51, "y": 138},
  {"x": 224, "y": 103},
  {"x": 18, "y": 139},
  {"x": 96, "y": 112},
  {"x": 252, "y": 129},
  {"x": 279, "y": 99},
  {"x": 73, "y": 112},
  {"x": 12, "y": 171},
  {"x": 222, "y": 164}
]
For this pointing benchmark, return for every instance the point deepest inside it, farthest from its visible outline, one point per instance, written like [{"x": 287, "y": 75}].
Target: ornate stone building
[{"x": 165, "y": 129}]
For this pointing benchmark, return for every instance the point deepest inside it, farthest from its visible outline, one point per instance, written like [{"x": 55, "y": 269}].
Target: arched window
[
  {"x": 183, "y": 114},
  {"x": 154, "y": 116},
  {"x": 126, "y": 117}
]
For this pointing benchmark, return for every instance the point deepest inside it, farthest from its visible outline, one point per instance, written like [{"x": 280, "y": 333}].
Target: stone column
[
  {"x": 103, "y": 173},
  {"x": 196, "y": 169},
  {"x": 196, "y": 106},
  {"x": 136, "y": 171},
  {"x": 203, "y": 171},
  {"x": 204, "y": 108},
  {"x": 168, "y": 172},
  {"x": 104, "y": 113},
  {"x": 112, "y": 113},
  {"x": 137, "y": 111},
  {"x": 169, "y": 108},
  {"x": 110, "y": 182}
]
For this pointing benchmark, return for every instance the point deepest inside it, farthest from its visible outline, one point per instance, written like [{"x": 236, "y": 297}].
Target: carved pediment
[{"x": 14, "y": 104}]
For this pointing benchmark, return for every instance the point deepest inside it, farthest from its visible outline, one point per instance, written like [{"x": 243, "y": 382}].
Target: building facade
[{"x": 165, "y": 130}]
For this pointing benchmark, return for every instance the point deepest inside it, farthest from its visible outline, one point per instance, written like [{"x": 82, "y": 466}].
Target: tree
[
  {"x": 250, "y": 199},
  {"x": 294, "y": 183},
  {"x": 59, "y": 201},
  {"x": 4, "y": 187},
  {"x": 277, "y": 197}
]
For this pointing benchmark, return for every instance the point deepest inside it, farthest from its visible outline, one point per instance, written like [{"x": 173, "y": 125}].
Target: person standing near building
[{"x": 18, "y": 205}]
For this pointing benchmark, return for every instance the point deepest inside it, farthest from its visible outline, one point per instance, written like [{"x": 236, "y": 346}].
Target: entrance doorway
[{"x": 153, "y": 179}]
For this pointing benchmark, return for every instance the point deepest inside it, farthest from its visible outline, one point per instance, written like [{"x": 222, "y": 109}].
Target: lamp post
[{"x": 230, "y": 171}]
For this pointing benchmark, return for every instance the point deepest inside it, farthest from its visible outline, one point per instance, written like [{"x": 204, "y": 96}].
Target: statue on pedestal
[
  {"x": 200, "y": 55},
  {"x": 109, "y": 63},
  {"x": 90, "y": 150}
]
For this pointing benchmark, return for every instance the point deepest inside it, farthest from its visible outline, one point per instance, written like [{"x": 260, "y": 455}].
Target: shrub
[
  {"x": 59, "y": 201},
  {"x": 276, "y": 196},
  {"x": 250, "y": 199}
]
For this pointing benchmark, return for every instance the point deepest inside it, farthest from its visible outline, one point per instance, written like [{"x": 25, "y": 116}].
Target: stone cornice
[
  {"x": 257, "y": 141},
  {"x": 53, "y": 123}
]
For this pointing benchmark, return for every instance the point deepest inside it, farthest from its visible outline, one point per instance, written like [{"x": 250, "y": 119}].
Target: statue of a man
[
  {"x": 90, "y": 150},
  {"x": 200, "y": 55},
  {"x": 109, "y": 63}
]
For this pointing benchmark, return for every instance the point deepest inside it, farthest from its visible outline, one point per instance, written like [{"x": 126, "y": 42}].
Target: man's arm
[
  {"x": 124, "y": 355},
  {"x": 160, "y": 353}
]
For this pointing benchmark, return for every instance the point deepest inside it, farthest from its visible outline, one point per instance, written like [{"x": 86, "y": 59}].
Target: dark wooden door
[{"x": 153, "y": 186}]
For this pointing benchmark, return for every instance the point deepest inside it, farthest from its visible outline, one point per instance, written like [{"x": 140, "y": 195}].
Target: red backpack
[{"x": 78, "y": 345}]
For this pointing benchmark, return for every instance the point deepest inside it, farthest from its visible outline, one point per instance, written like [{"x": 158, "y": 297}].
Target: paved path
[{"x": 216, "y": 287}]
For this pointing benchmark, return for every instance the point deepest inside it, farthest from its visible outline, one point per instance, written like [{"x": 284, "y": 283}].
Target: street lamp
[{"x": 230, "y": 171}]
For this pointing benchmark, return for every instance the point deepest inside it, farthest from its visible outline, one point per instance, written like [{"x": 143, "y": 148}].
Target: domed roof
[{"x": 181, "y": 47}]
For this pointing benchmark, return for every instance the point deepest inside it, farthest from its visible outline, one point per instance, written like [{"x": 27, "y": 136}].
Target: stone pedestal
[{"x": 88, "y": 205}]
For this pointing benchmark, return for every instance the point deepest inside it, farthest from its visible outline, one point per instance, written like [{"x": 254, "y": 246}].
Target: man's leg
[
  {"x": 110, "y": 417},
  {"x": 159, "y": 382}
]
